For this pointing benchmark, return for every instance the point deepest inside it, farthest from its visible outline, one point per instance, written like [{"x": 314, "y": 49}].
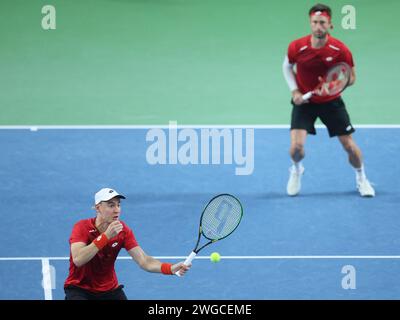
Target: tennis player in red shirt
[
  {"x": 95, "y": 244},
  {"x": 307, "y": 60}
]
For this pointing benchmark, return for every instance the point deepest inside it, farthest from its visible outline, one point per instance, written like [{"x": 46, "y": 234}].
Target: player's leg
[
  {"x": 337, "y": 120},
  {"x": 353, "y": 151},
  {"x": 302, "y": 123},
  {"x": 355, "y": 159},
  {"x": 297, "y": 141}
]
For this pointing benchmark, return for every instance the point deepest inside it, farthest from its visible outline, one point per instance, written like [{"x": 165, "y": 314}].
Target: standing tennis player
[
  {"x": 95, "y": 244},
  {"x": 312, "y": 56}
]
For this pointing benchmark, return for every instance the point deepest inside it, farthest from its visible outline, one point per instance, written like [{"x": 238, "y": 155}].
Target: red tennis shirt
[
  {"x": 312, "y": 63},
  {"x": 98, "y": 275}
]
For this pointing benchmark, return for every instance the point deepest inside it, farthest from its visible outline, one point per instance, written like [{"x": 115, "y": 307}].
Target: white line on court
[
  {"x": 46, "y": 279},
  {"x": 225, "y": 257},
  {"x": 194, "y": 126}
]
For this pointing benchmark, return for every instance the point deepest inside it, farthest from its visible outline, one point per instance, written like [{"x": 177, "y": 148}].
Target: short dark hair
[{"x": 320, "y": 7}]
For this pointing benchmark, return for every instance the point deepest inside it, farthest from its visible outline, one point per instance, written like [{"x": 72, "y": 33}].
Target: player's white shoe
[
  {"x": 294, "y": 183},
  {"x": 365, "y": 188}
]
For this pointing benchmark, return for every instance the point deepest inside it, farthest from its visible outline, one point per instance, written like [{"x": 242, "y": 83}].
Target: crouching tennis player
[{"x": 95, "y": 244}]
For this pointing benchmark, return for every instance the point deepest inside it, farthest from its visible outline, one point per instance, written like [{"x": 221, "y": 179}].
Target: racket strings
[
  {"x": 221, "y": 217},
  {"x": 336, "y": 80}
]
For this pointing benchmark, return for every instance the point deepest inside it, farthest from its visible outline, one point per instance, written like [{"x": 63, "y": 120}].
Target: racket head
[
  {"x": 220, "y": 217},
  {"x": 335, "y": 81}
]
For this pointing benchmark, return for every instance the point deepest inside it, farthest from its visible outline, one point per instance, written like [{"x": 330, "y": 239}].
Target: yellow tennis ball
[{"x": 215, "y": 257}]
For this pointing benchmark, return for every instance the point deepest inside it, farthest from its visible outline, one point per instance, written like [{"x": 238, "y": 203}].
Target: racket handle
[
  {"x": 307, "y": 95},
  {"x": 188, "y": 261}
]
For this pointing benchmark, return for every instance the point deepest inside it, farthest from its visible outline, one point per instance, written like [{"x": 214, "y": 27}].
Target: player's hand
[
  {"x": 297, "y": 97},
  {"x": 113, "y": 229},
  {"x": 182, "y": 268}
]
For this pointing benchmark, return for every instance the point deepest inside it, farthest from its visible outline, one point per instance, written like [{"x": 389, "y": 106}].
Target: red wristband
[
  {"x": 101, "y": 241},
  {"x": 166, "y": 268}
]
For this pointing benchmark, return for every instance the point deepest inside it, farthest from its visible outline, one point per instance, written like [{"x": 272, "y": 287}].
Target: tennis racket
[
  {"x": 335, "y": 81},
  {"x": 219, "y": 219}
]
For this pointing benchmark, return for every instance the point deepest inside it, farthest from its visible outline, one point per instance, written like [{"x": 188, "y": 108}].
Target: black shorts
[
  {"x": 77, "y": 293},
  {"x": 333, "y": 114}
]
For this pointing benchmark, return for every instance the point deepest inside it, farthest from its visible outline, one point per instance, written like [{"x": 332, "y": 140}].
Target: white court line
[
  {"x": 316, "y": 257},
  {"x": 194, "y": 126},
  {"x": 46, "y": 279}
]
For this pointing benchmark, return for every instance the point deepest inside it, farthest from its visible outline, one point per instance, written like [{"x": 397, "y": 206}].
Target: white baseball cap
[{"x": 106, "y": 194}]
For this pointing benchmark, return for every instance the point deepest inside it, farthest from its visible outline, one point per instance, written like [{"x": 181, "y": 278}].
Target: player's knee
[
  {"x": 297, "y": 147},
  {"x": 297, "y": 152},
  {"x": 349, "y": 146}
]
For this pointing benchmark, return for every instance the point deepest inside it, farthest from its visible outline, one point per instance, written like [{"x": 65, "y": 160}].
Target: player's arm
[
  {"x": 290, "y": 78},
  {"x": 150, "y": 264},
  {"x": 82, "y": 253}
]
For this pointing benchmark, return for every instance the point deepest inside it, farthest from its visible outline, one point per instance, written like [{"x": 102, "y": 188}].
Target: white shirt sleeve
[{"x": 287, "y": 69}]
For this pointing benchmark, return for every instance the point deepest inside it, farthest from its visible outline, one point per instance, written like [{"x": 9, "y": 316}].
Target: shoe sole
[{"x": 367, "y": 195}]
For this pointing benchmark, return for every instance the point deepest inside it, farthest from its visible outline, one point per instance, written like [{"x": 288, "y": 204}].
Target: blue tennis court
[{"x": 285, "y": 248}]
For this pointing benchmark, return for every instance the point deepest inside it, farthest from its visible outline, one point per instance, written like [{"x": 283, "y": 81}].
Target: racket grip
[
  {"x": 307, "y": 95},
  {"x": 188, "y": 261}
]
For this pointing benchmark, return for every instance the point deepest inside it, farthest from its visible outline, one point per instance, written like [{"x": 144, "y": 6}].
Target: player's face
[
  {"x": 110, "y": 210},
  {"x": 319, "y": 26}
]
